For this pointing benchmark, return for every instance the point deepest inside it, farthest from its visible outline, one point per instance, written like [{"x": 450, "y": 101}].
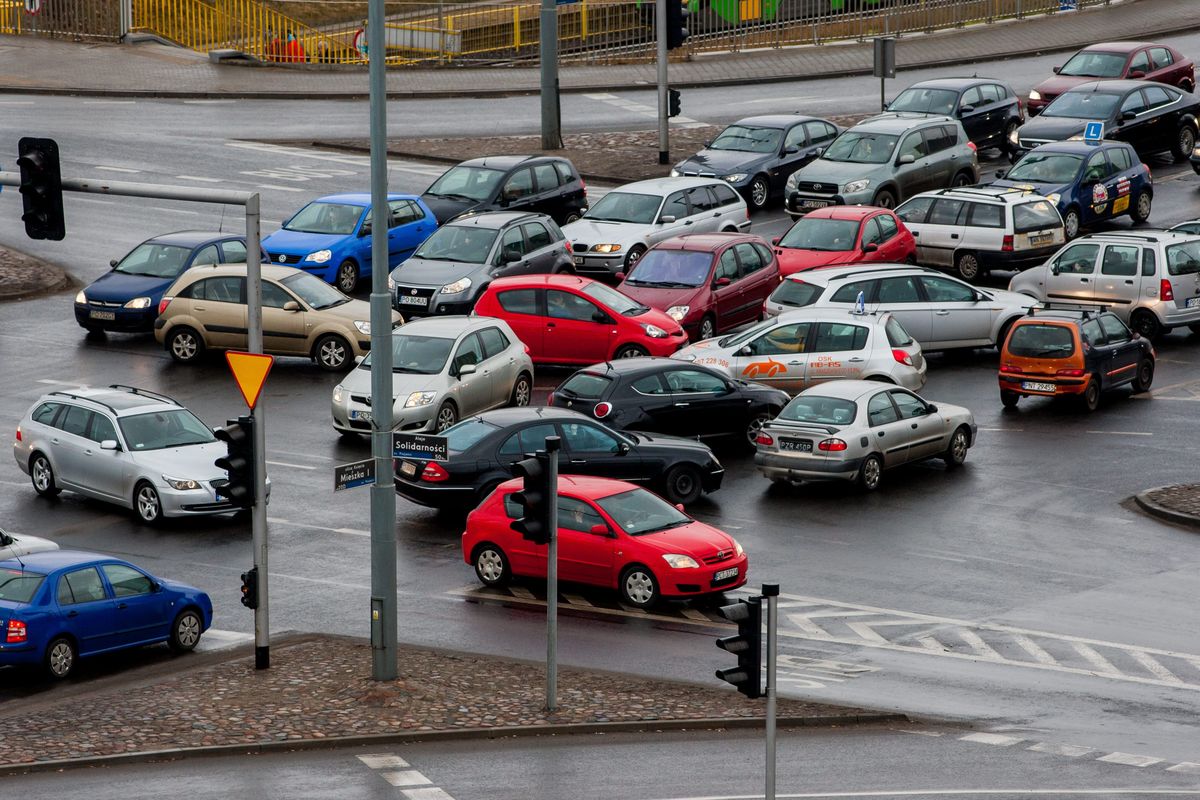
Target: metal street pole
[
  {"x": 771, "y": 592},
  {"x": 553, "y": 443},
  {"x": 548, "y": 53},
  {"x": 660, "y": 26},
  {"x": 383, "y": 491}
]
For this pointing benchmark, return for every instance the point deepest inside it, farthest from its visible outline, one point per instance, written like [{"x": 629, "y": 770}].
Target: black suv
[
  {"x": 989, "y": 110},
  {"x": 548, "y": 185}
]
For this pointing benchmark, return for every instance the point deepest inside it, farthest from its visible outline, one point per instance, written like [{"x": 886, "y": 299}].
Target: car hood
[
  {"x": 723, "y": 162},
  {"x": 117, "y": 286},
  {"x": 795, "y": 258},
  {"x": 1010, "y": 299},
  {"x": 662, "y": 298},
  {"x": 403, "y": 383},
  {"x": 423, "y": 272},
  {"x": 299, "y": 243},
  {"x": 954, "y": 414},
  {"x": 194, "y": 462},
  {"x": 1040, "y": 187},
  {"x": 1053, "y": 87},
  {"x": 447, "y": 208},
  {"x": 591, "y": 232},
  {"x": 839, "y": 172},
  {"x": 697, "y": 540},
  {"x": 657, "y": 441},
  {"x": 354, "y": 310},
  {"x": 1054, "y": 129}
]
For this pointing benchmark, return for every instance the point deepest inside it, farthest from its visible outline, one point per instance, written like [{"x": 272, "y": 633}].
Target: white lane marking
[
  {"x": 77, "y": 199},
  {"x": 383, "y": 761},
  {"x": 408, "y": 777},
  {"x": 576, "y": 600},
  {"x": 1129, "y": 759},
  {"x": 1187, "y": 767},
  {"x": 208, "y": 102},
  {"x": 776, "y": 100},
  {"x": 13, "y": 483},
  {"x": 225, "y": 638},
  {"x": 1095, "y": 659},
  {"x": 930, "y": 643},
  {"x": 977, "y": 644},
  {"x": 288, "y": 464},
  {"x": 522, "y": 592},
  {"x": 937, "y": 558},
  {"x": 109, "y": 102},
  {"x": 1154, "y": 668},
  {"x": 692, "y": 613},
  {"x": 923, "y": 733},
  {"x": 430, "y": 793},
  {"x": 1031, "y": 647},
  {"x": 306, "y": 526},
  {"x": 198, "y": 178},
  {"x": 1071, "y": 750},
  {"x": 16, "y": 102},
  {"x": 597, "y": 96},
  {"x": 305, "y": 455},
  {"x": 1005, "y": 430},
  {"x": 58, "y": 382},
  {"x": 1122, "y": 433},
  {"x": 1002, "y": 793},
  {"x": 120, "y": 169},
  {"x": 997, "y": 739},
  {"x": 279, "y": 188},
  {"x": 183, "y": 211},
  {"x": 352, "y": 531}
]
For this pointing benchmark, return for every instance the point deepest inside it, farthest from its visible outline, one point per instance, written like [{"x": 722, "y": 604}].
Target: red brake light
[
  {"x": 1009, "y": 368},
  {"x": 1148, "y": 174},
  {"x": 527, "y": 350},
  {"x": 162, "y": 304},
  {"x": 1071, "y": 373},
  {"x": 1007, "y": 245},
  {"x": 764, "y": 438},
  {"x": 831, "y": 445},
  {"x": 434, "y": 472},
  {"x": 18, "y": 433},
  {"x": 602, "y": 410},
  {"x": 583, "y": 183},
  {"x": 17, "y": 632},
  {"x": 1165, "y": 292},
  {"x": 972, "y": 145},
  {"x": 902, "y": 357}
]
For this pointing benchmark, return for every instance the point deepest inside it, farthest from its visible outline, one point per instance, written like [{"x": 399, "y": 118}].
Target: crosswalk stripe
[
  {"x": 1031, "y": 647},
  {"x": 576, "y": 600},
  {"x": 383, "y": 761},
  {"x": 1071, "y": 750},
  {"x": 997, "y": 739},
  {"x": 406, "y": 777},
  {"x": 1188, "y": 767},
  {"x": 1129, "y": 759},
  {"x": 930, "y": 643},
  {"x": 692, "y": 613},
  {"x": 1095, "y": 659},
  {"x": 977, "y": 644},
  {"x": 521, "y": 591},
  {"x": 428, "y": 793},
  {"x": 1154, "y": 668}
]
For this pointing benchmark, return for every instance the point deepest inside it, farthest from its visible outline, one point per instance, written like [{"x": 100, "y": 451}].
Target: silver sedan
[{"x": 854, "y": 430}]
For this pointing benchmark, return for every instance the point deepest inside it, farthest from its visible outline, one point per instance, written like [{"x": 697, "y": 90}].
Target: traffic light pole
[
  {"x": 552, "y": 446},
  {"x": 548, "y": 55},
  {"x": 660, "y": 26},
  {"x": 771, "y": 592}
]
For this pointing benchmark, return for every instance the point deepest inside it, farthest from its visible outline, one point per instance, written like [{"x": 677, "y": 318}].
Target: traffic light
[
  {"x": 250, "y": 588},
  {"x": 533, "y": 499},
  {"x": 677, "y": 32},
  {"x": 747, "y": 646},
  {"x": 672, "y": 102},
  {"x": 41, "y": 188},
  {"x": 238, "y": 461}
]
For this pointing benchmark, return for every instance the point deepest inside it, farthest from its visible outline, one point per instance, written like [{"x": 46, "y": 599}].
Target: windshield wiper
[
  {"x": 676, "y": 524},
  {"x": 660, "y": 284}
]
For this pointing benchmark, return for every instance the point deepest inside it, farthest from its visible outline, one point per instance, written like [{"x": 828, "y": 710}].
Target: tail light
[
  {"x": 18, "y": 433},
  {"x": 1071, "y": 373},
  {"x": 527, "y": 350},
  {"x": 550, "y": 399},
  {"x": 1148, "y": 173},
  {"x": 1006, "y": 246},
  {"x": 902, "y": 357},
  {"x": 162, "y": 304},
  {"x": 764, "y": 438},
  {"x": 972, "y": 145},
  {"x": 1165, "y": 292},
  {"x": 831, "y": 445},
  {"x": 602, "y": 410},
  {"x": 434, "y": 473},
  {"x": 583, "y": 183},
  {"x": 1010, "y": 369},
  {"x": 17, "y": 632}
]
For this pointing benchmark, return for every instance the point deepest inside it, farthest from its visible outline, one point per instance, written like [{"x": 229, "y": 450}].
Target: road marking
[
  {"x": 185, "y": 212},
  {"x": 997, "y": 739},
  {"x": 288, "y": 464},
  {"x": 306, "y": 526},
  {"x": 1070, "y": 750},
  {"x": 1095, "y": 659},
  {"x": 383, "y": 761},
  {"x": 16, "y": 102},
  {"x": 305, "y": 455},
  {"x": 198, "y": 178},
  {"x": 1002, "y": 793},
  {"x": 430, "y": 793},
  {"x": 215, "y": 639},
  {"x": 408, "y": 777},
  {"x": 938, "y": 558},
  {"x": 58, "y": 382},
  {"x": 780, "y": 100},
  {"x": 279, "y": 188},
  {"x": 1005, "y": 430},
  {"x": 1129, "y": 759},
  {"x": 208, "y": 102},
  {"x": 576, "y": 600},
  {"x": 1186, "y": 767},
  {"x": 522, "y": 592},
  {"x": 1121, "y": 433},
  {"x": 352, "y": 531},
  {"x": 1154, "y": 668},
  {"x": 120, "y": 169},
  {"x": 109, "y": 102},
  {"x": 976, "y": 643},
  {"x": 1031, "y": 647},
  {"x": 76, "y": 199},
  {"x": 13, "y": 483},
  {"x": 923, "y": 733}
]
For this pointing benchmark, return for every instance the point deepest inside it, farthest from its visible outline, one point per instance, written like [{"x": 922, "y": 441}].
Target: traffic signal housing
[
  {"x": 41, "y": 188},
  {"x": 747, "y": 646},
  {"x": 672, "y": 102},
  {"x": 250, "y": 588},
  {"x": 677, "y": 32},
  {"x": 533, "y": 499},
  {"x": 238, "y": 462}
]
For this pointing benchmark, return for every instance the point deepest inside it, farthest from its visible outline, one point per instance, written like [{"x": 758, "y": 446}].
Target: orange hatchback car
[{"x": 1057, "y": 351}]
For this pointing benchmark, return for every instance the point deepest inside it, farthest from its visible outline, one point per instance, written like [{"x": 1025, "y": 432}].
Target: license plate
[
  {"x": 1191, "y": 302},
  {"x": 726, "y": 574},
  {"x": 364, "y": 416},
  {"x": 110, "y": 315},
  {"x": 578, "y": 260},
  {"x": 412, "y": 300},
  {"x": 798, "y": 445},
  {"x": 408, "y": 469},
  {"x": 1036, "y": 386},
  {"x": 1038, "y": 241},
  {"x": 815, "y": 203},
  {"x": 1120, "y": 204}
]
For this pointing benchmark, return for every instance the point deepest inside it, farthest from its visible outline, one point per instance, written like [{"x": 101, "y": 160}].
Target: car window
[
  {"x": 564, "y": 305},
  {"x": 584, "y": 438},
  {"x": 76, "y": 421},
  {"x": 45, "y": 413},
  {"x": 898, "y": 290},
  {"x": 527, "y": 440},
  {"x": 896, "y": 335},
  {"x": 794, "y": 138},
  {"x": 651, "y": 385},
  {"x": 796, "y": 293},
  {"x": 821, "y": 410},
  {"x": 1141, "y": 61},
  {"x": 127, "y": 581},
  {"x": 784, "y": 340},
  {"x": 913, "y": 145},
  {"x": 880, "y": 410},
  {"x": 537, "y": 235},
  {"x": 701, "y": 199},
  {"x": 1114, "y": 329},
  {"x": 83, "y": 586},
  {"x": 158, "y": 430},
  {"x": 1078, "y": 259},
  {"x": 470, "y": 351},
  {"x": 1092, "y": 332},
  {"x": 871, "y": 232},
  {"x": 1119, "y": 157},
  {"x": 985, "y": 215},
  {"x": 940, "y": 138},
  {"x": 1120, "y": 260},
  {"x": 546, "y": 175},
  {"x": 971, "y": 97},
  {"x": 227, "y": 289},
  {"x": 727, "y": 266},
  {"x": 947, "y": 212},
  {"x": 1135, "y": 103},
  {"x": 404, "y": 212},
  {"x": 764, "y": 252},
  {"x": 692, "y": 380},
  {"x": 849, "y": 292},
  {"x": 273, "y": 296},
  {"x": 494, "y": 342},
  {"x": 1183, "y": 258},
  {"x": 518, "y": 185},
  {"x": 725, "y": 195},
  {"x": 1035, "y": 216},
  {"x": 102, "y": 428},
  {"x": 910, "y": 406},
  {"x": 207, "y": 255},
  {"x": 676, "y": 206},
  {"x": 1160, "y": 57},
  {"x": 839, "y": 337},
  {"x": 1041, "y": 340},
  {"x": 566, "y": 173},
  {"x": 512, "y": 245},
  {"x": 752, "y": 260},
  {"x": 820, "y": 132},
  {"x": 1157, "y": 96},
  {"x": 518, "y": 301},
  {"x": 233, "y": 252},
  {"x": 915, "y": 210},
  {"x": 945, "y": 290},
  {"x": 1149, "y": 263},
  {"x": 887, "y": 226},
  {"x": 576, "y": 515},
  {"x": 993, "y": 92},
  {"x": 587, "y": 385}
]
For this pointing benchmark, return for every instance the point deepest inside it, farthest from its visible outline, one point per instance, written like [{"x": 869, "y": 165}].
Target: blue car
[
  {"x": 126, "y": 299},
  {"x": 1089, "y": 181},
  {"x": 61, "y": 605},
  {"x": 330, "y": 237}
]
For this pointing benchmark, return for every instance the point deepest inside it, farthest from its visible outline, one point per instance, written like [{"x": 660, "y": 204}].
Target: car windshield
[
  {"x": 19, "y": 586},
  {"x": 154, "y": 260},
  {"x": 639, "y": 512},
  {"x": 748, "y": 140},
  {"x": 1186, "y": 227},
  {"x": 1183, "y": 259},
  {"x": 314, "y": 291},
  {"x": 158, "y": 430},
  {"x": 1095, "y": 65},
  {"x": 819, "y": 410},
  {"x": 1083, "y": 105},
  {"x": 736, "y": 339},
  {"x": 1041, "y": 341},
  {"x": 861, "y": 147},
  {"x": 419, "y": 355},
  {"x": 625, "y": 207},
  {"x": 795, "y": 293},
  {"x": 462, "y": 244},
  {"x": 671, "y": 269},
  {"x": 467, "y": 434},
  {"x": 1046, "y": 168},
  {"x": 467, "y": 183},
  {"x": 338, "y": 219},
  {"x": 832, "y": 235},
  {"x": 622, "y": 304},
  {"x": 925, "y": 101}
]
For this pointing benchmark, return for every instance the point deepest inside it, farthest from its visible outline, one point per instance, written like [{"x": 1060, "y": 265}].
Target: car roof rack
[
  {"x": 1141, "y": 237},
  {"x": 986, "y": 191},
  {"x": 145, "y": 393},
  {"x": 880, "y": 271},
  {"x": 1086, "y": 309},
  {"x": 85, "y": 398}
]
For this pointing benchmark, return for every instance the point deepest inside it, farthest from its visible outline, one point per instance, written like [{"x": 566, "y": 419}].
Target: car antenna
[{"x": 221, "y": 224}]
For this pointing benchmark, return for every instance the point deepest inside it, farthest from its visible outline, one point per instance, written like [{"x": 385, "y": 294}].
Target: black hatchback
[
  {"x": 546, "y": 184},
  {"x": 483, "y": 449},
  {"x": 989, "y": 110},
  {"x": 669, "y": 396}
]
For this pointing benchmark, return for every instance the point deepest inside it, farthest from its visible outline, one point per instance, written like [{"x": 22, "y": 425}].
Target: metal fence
[{"x": 90, "y": 20}]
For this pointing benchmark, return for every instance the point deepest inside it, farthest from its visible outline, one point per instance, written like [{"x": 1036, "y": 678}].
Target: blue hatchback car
[
  {"x": 126, "y": 299},
  {"x": 61, "y": 605},
  {"x": 1089, "y": 181},
  {"x": 330, "y": 237}
]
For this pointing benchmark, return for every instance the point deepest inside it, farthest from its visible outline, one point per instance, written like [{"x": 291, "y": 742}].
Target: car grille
[
  {"x": 1029, "y": 144},
  {"x": 817, "y": 188},
  {"x": 102, "y": 304},
  {"x": 691, "y": 172},
  {"x": 358, "y": 398},
  {"x": 284, "y": 258},
  {"x": 579, "y": 248},
  {"x": 721, "y": 555}
]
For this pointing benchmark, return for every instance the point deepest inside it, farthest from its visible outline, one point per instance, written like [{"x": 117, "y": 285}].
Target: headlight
[
  {"x": 736, "y": 177},
  {"x": 654, "y": 332},
  {"x": 81, "y": 297},
  {"x": 319, "y": 257},
  {"x": 856, "y": 186},
  {"x": 680, "y": 561},
  {"x": 1054, "y": 198},
  {"x": 677, "y": 313},
  {"x": 460, "y": 285},
  {"x": 363, "y": 326},
  {"x": 391, "y": 284},
  {"x": 675, "y": 173},
  {"x": 417, "y": 399},
  {"x": 1034, "y": 94},
  {"x": 605, "y": 248},
  {"x": 138, "y": 302},
  {"x": 181, "y": 484},
  {"x": 1012, "y": 136},
  {"x": 338, "y": 393},
  {"x": 737, "y": 546},
  {"x": 792, "y": 180}
]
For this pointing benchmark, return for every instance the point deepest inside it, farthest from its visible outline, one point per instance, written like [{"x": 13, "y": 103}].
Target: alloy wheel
[
  {"x": 147, "y": 504},
  {"x": 707, "y": 328},
  {"x": 490, "y": 566},
  {"x": 61, "y": 658},
  {"x": 184, "y": 346},
  {"x": 41, "y": 474},
  {"x": 871, "y": 473},
  {"x": 755, "y": 427},
  {"x": 521, "y": 393},
  {"x": 332, "y": 353},
  {"x": 958, "y": 446},
  {"x": 445, "y": 418},
  {"x": 187, "y": 632},
  {"x": 758, "y": 193}
]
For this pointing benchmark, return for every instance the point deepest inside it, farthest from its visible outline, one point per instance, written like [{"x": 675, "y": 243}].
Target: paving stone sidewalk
[
  {"x": 1179, "y": 504},
  {"x": 23, "y": 275}
]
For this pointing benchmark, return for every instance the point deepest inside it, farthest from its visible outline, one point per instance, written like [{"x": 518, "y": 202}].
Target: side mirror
[
  {"x": 1056, "y": 70},
  {"x": 775, "y": 241},
  {"x": 1127, "y": 115},
  {"x": 365, "y": 230},
  {"x": 931, "y": 409},
  {"x": 1137, "y": 73},
  {"x": 620, "y": 276},
  {"x": 679, "y": 506},
  {"x": 601, "y": 317},
  {"x": 1001, "y": 173},
  {"x": 745, "y": 351},
  {"x": 707, "y": 144},
  {"x": 1054, "y": 270},
  {"x": 600, "y": 530},
  {"x": 466, "y": 369},
  {"x": 510, "y": 257},
  {"x": 907, "y": 158},
  {"x": 870, "y": 247},
  {"x": 622, "y": 448},
  {"x": 358, "y": 360},
  {"x": 820, "y": 151},
  {"x": 666, "y": 219},
  {"x": 788, "y": 151},
  {"x": 291, "y": 305},
  {"x": 112, "y": 262},
  {"x": 722, "y": 281},
  {"x": 156, "y": 587},
  {"x": 965, "y": 110},
  {"x": 110, "y": 444}
]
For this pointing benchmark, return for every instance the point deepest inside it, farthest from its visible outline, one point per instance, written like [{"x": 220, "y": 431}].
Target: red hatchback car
[
  {"x": 611, "y": 534},
  {"x": 844, "y": 235},
  {"x": 566, "y": 319},
  {"x": 1113, "y": 60},
  {"x": 709, "y": 282}
]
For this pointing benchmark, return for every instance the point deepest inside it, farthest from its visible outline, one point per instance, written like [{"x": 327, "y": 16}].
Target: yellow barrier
[{"x": 10, "y": 16}]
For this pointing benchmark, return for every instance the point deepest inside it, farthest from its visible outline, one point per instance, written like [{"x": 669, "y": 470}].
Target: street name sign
[
  {"x": 424, "y": 446},
  {"x": 354, "y": 474}
]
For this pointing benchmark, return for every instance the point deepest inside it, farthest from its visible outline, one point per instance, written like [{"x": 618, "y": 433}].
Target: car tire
[
  {"x": 758, "y": 193},
  {"x": 1194, "y": 327},
  {"x": 638, "y": 587},
  {"x": 631, "y": 351},
  {"x": 147, "y": 504},
  {"x": 61, "y": 655},
  {"x": 572, "y": 216},
  {"x": 331, "y": 353},
  {"x": 755, "y": 426},
  {"x": 1007, "y": 147},
  {"x": 185, "y": 345},
  {"x": 1145, "y": 323},
  {"x": 1144, "y": 377},
  {"x": 1139, "y": 209},
  {"x": 956, "y": 451},
  {"x": 1091, "y": 394},
  {"x": 683, "y": 484},
  {"x": 1009, "y": 399},
  {"x": 1185, "y": 143},
  {"x": 633, "y": 257},
  {"x": 884, "y": 198},
  {"x": 966, "y": 264},
  {"x": 491, "y": 565},
  {"x": 522, "y": 391},
  {"x": 41, "y": 475},
  {"x": 96, "y": 334},
  {"x": 447, "y": 415},
  {"x": 346, "y": 277},
  {"x": 185, "y": 631},
  {"x": 708, "y": 329},
  {"x": 1071, "y": 223},
  {"x": 870, "y": 474},
  {"x": 962, "y": 179}
]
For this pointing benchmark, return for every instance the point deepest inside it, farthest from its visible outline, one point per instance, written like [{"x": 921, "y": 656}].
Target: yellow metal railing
[{"x": 10, "y": 16}]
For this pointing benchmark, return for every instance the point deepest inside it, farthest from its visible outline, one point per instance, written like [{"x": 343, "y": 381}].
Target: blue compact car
[
  {"x": 1089, "y": 181},
  {"x": 61, "y": 605},
  {"x": 126, "y": 299},
  {"x": 330, "y": 237}
]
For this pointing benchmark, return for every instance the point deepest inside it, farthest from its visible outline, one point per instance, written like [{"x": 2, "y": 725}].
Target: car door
[
  {"x": 1118, "y": 282},
  {"x": 750, "y": 282},
  {"x": 472, "y": 392},
  {"x": 958, "y": 317},
  {"x": 109, "y": 471},
  {"x": 890, "y": 434},
  {"x": 1162, "y": 118},
  {"x": 912, "y": 166},
  {"x": 839, "y": 351},
  {"x": 86, "y": 610},
  {"x": 727, "y": 293},
  {"x": 583, "y": 556},
  {"x": 410, "y": 226},
  {"x": 592, "y": 450},
  {"x": 1163, "y": 67},
  {"x": 777, "y": 357},
  {"x": 974, "y": 112},
  {"x": 284, "y": 321},
  {"x": 1072, "y": 274},
  {"x": 547, "y": 200},
  {"x": 673, "y": 219},
  {"x": 702, "y": 210},
  {"x": 944, "y": 161},
  {"x": 142, "y": 614},
  {"x": 1132, "y": 120},
  {"x": 902, "y": 296},
  {"x": 512, "y": 254},
  {"x": 652, "y": 397},
  {"x": 1139, "y": 65},
  {"x": 705, "y": 403},
  {"x": 522, "y": 312},
  {"x": 518, "y": 193},
  {"x": 540, "y": 252},
  {"x": 219, "y": 305},
  {"x": 577, "y": 330},
  {"x": 914, "y": 214},
  {"x": 209, "y": 254},
  {"x": 1125, "y": 351},
  {"x": 69, "y": 442},
  {"x": 928, "y": 431},
  {"x": 794, "y": 153},
  {"x": 500, "y": 359},
  {"x": 892, "y": 248}
]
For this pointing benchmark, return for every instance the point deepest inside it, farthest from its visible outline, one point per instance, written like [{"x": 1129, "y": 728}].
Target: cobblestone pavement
[
  {"x": 1179, "y": 503},
  {"x": 22, "y": 275}
]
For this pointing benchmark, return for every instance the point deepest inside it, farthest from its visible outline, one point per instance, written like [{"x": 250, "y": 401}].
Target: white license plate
[
  {"x": 797, "y": 445},
  {"x": 110, "y": 315},
  {"x": 364, "y": 416},
  {"x": 815, "y": 203},
  {"x": 1036, "y": 386},
  {"x": 578, "y": 260},
  {"x": 1191, "y": 302},
  {"x": 1038, "y": 241},
  {"x": 725, "y": 573},
  {"x": 408, "y": 469},
  {"x": 410, "y": 300}
]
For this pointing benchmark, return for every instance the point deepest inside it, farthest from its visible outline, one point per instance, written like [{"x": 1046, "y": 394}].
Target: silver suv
[
  {"x": 128, "y": 446},
  {"x": 883, "y": 161},
  {"x": 1150, "y": 279}
]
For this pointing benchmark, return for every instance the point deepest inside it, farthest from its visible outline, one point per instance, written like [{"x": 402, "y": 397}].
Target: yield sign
[{"x": 250, "y": 371}]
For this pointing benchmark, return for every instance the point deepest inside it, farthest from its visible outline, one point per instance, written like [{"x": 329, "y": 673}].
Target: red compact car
[
  {"x": 610, "y": 534},
  {"x": 1114, "y": 60},
  {"x": 709, "y": 282},
  {"x": 566, "y": 319},
  {"x": 844, "y": 235}
]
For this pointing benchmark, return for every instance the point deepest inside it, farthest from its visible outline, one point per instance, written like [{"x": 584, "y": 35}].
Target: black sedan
[
  {"x": 484, "y": 448},
  {"x": 989, "y": 110},
  {"x": 1150, "y": 116},
  {"x": 549, "y": 185},
  {"x": 670, "y": 396}
]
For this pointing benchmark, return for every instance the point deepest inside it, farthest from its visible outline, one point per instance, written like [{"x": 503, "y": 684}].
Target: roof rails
[
  {"x": 883, "y": 270},
  {"x": 145, "y": 393},
  {"x": 986, "y": 191},
  {"x": 1086, "y": 309},
  {"x": 86, "y": 399},
  {"x": 1141, "y": 237}
]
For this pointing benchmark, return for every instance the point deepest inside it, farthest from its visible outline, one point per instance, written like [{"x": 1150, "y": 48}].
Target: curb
[
  {"x": 410, "y": 737},
  {"x": 61, "y": 282},
  {"x": 1162, "y": 512}
]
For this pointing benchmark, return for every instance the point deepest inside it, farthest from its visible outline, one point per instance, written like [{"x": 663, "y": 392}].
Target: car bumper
[
  {"x": 123, "y": 319},
  {"x": 1176, "y": 317},
  {"x": 666, "y": 346},
  {"x": 806, "y": 468},
  {"x": 910, "y": 378},
  {"x": 20, "y": 655},
  {"x": 195, "y": 502},
  {"x": 599, "y": 265},
  {"x": 794, "y": 202},
  {"x": 1019, "y": 260},
  {"x": 691, "y": 582},
  {"x": 712, "y": 481},
  {"x": 436, "y": 305},
  {"x": 1062, "y": 386},
  {"x": 433, "y": 496},
  {"x": 348, "y": 416}
]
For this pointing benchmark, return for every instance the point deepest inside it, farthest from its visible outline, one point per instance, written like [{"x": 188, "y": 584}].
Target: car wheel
[
  {"x": 346, "y": 279},
  {"x": 967, "y": 266},
  {"x": 491, "y": 565},
  {"x": 870, "y": 473},
  {"x": 1008, "y": 147},
  {"x": 755, "y": 427},
  {"x": 1187, "y": 85},
  {"x": 635, "y": 255},
  {"x": 1140, "y": 210},
  {"x": 1009, "y": 399},
  {"x": 331, "y": 353},
  {"x": 447, "y": 415},
  {"x": 956, "y": 451},
  {"x": 60, "y": 658},
  {"x": 1091, "y": 394},
  {"x": 185, "y": 631},
  {"x": 1185, "y": 142},
  {"x": 96, "y": 334},
  {"x": 572, "y": 216},
  {"x": 41, "y": 475},
  {"x": 1194, "y": 328},
  {"x": 1071, "y": 224},
  {"x": 708, "y": 328},
  {"x": 1144, "y": 377},
  {"x": 631, "y": 351},
  {"x": 146, "y": 503},
  {"x": 683, "y": 484},
  {"x": 884, "y": 199},
  {"x": 185, "y": 345},
  {"x": 1146, "y": 324},
  {"x": 963, "y": 179},
  {"x": 638, "y": 587},
  {"x": 759, "y": 193},
  {"x": 522, "y": 391}
]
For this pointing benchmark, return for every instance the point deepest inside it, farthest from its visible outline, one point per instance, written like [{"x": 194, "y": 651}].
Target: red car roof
[
  {"x": 705, "y": 242},
  {"x": 843, "y": 212},
  {"x": 585, "y": 485},
  {"x": 530, "y": 281}
]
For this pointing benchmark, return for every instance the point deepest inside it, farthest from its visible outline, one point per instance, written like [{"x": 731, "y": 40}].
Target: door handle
[
  {"x": 794, "y": 363},
  {"x": 942, "y": 313},
  {"x": 1083, "y": 280},
  {"x": 1129, "y": 283},
  {"x": 689, "y": 222},
  {"x": 914, "y": 426},
  {"x": 680, "y": 405},
  {"x": 549, "y": 324},
  {"x": 954, "y": 236},
  {"x": 855, "y": 360},
  {"x": 881, "y": 434},
  {"x": 122, "y": 605},
  {"x": 54, "y": 441},
  {"x": 916, "y": 234},
  {"x": 72, "y": 613},
  {"x": 578, "y": 461},
  {"x": 717, "y": 214},
  {"x": 199, "y": 308}
]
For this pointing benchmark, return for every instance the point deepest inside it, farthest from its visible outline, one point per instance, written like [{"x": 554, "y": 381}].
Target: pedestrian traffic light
[
  {"x": 533, "y": 499},
  {"x": 677, "y": 14},
  {"x": 672, "y": 102},
  {"x": 250, "y": 588},
  {"x": 41, "y": 188},
  {"x": 747, "y": 646},
  {"x": 238, "y": 462}
]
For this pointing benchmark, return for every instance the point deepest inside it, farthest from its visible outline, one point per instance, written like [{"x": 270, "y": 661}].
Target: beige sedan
[{"x": 302, "y": 316}]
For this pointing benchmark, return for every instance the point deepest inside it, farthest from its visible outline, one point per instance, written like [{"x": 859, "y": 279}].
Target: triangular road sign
[{"x": 250, "y": 371}]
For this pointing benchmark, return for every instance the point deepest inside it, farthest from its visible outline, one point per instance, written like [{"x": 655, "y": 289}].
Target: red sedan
[
  {"x": 1115, "y": 60},
  {"x": 844, "y": 235},
  {"x": 611, "y": 534},
  {"x": 566, "y": 319}
]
